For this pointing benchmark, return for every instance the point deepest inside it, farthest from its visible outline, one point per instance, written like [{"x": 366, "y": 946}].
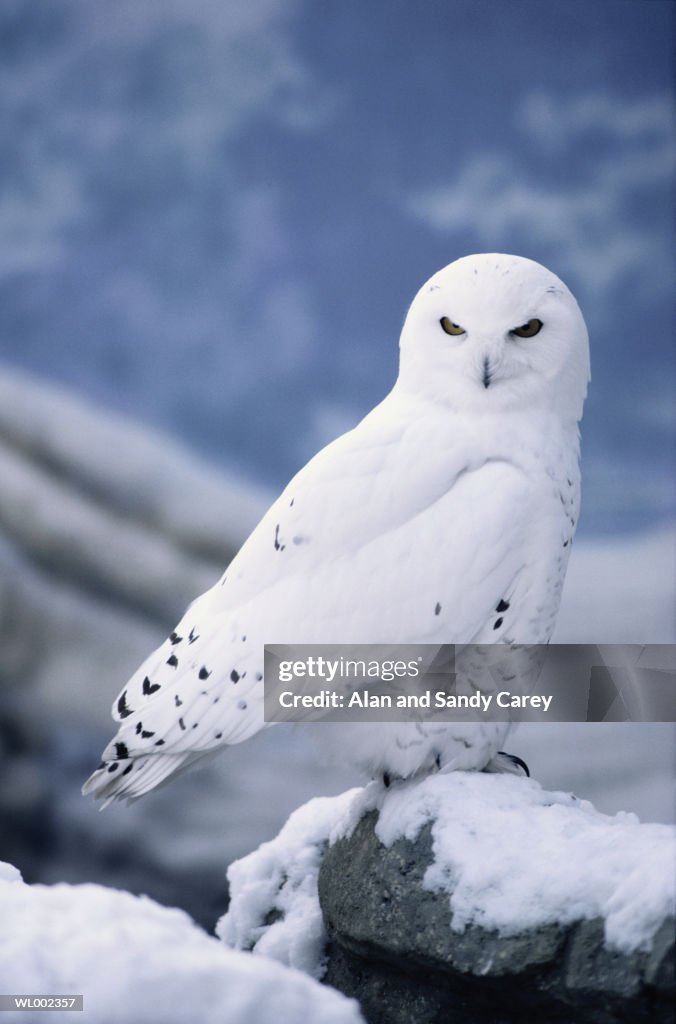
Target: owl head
[{"x": 496, "y": 333}]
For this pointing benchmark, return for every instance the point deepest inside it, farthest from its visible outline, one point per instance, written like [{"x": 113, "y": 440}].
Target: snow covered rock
[
  {"x": 274, "y": 909},
  {"x": 135, "y": 961},
  {"x": 482, "y": 891},
  {"x": 491, "y": 891}
]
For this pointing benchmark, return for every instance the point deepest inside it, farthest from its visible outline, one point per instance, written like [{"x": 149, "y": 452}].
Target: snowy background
[{"x": 213, "y": 217}]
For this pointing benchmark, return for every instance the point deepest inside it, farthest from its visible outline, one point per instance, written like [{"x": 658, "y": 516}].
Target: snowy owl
[{"x": 445, "y": 516}]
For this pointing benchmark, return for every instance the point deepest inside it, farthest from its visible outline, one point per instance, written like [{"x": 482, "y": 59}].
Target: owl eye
[
  {"x": 528, "y": 330},
  {"x": 450, "y": 327}
]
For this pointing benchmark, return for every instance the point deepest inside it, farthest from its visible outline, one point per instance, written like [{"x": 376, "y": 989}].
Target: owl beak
[{"x": 487, "y": 372}]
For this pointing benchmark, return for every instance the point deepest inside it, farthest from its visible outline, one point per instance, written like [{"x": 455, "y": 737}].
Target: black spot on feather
[
  {"x": 437, "y": 608},
  {"x": 218, "y": 735},
  {"x": 121, "y": 751},
  {"x": 175, "y": 638},
  {"x": 259, "y": 676},
  {"x": 172, "y": 660},
  {"x": 149, "y": 687},
  {"x": 122, "y": 709},
  {"x": 497, "y": 624},
  {"x": 192, "y": 635},
  {"x": 177, "y": 700},
  {"x": 159, "y": 743},
  {"x": 128, "y": 768},
  {"x": 146, "y": 734},
  {"x": 113, "y": 766},
  {"x": 234, "y": 675},
  {"x": 181, "y": 723},
  {"x": 139, "y": 726},
  {"x": 204, "y": 672},
  {"x": 502, "y": 606}
]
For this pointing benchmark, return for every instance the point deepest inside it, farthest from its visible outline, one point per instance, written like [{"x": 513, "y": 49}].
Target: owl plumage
[{"x": 445, "y": 516}]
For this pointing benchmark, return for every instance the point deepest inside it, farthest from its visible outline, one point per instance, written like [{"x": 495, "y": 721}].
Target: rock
[
  {"x": 467, "y": 897},
  {"x": 392, "y": 946}
]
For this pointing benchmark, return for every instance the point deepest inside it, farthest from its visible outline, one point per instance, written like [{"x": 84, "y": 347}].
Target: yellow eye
[
  {"x": 450, "y": 327},
  {"x": 528, "y": 330}
]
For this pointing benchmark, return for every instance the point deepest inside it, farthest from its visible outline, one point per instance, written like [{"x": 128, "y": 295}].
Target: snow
[
  {"x": 514, "y": 856},
  {"x": 72, "y": 536},
  {"x": 510, "y": 855},
  {"x": 279, "y": 879},
  {"x": 127, "y": 466},
  {"x": 8, "y": 873},
  {"x": 136, "y": 961}
]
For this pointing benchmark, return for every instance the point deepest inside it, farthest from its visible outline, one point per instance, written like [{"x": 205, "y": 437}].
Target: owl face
[{"x": 492, "y": 332}]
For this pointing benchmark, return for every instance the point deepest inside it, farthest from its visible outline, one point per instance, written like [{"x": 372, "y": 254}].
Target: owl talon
[{"x": 508, "y": 764}]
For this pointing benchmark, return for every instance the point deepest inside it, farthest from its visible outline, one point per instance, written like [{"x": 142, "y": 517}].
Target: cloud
[
  {"x": 109, "y": 102},
  {"x": 125, "y": 199},
  {"x": 618, "y": 156},
  {"x": 558, "y": 122}
]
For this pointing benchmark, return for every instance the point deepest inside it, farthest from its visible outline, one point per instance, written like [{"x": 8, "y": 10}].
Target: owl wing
[{"x": 394, "y": 533}]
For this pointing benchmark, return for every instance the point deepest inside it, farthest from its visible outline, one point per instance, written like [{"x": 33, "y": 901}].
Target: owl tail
[{"x": 131, "y": 777}]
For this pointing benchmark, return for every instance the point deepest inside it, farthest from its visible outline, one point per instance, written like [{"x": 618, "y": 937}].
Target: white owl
[{"x": 445, "y": 516}]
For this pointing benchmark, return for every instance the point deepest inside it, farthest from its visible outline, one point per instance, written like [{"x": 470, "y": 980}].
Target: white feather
[{"x": 447, "y": 499}]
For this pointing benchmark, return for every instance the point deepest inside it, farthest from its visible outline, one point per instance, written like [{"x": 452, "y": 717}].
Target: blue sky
[{"x": 214, "y": 215}]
